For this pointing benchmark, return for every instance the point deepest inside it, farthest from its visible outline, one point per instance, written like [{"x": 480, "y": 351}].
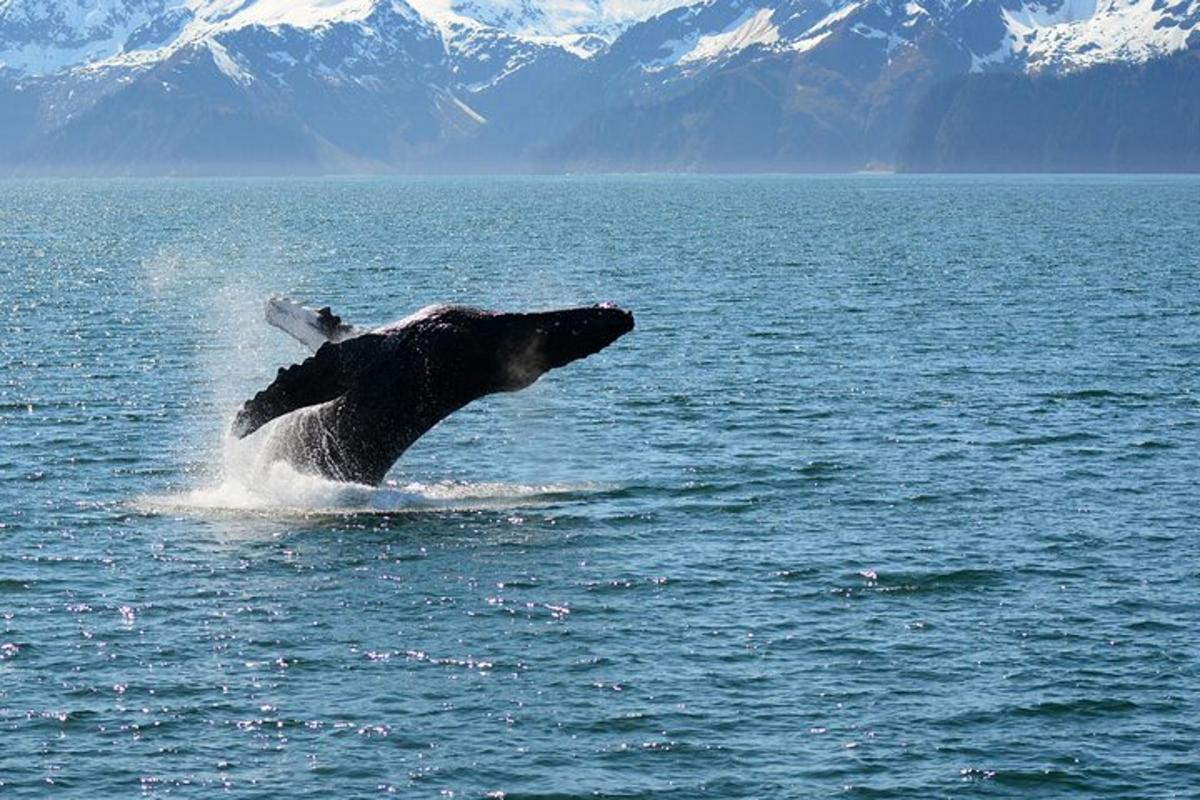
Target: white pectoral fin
[{"x": 312, "y": 327}]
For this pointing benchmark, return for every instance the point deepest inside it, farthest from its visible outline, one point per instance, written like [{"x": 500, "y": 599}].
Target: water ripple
[{"x": 891, "y": 494}]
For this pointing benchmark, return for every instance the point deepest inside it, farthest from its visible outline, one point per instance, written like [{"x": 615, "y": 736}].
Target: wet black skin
[{"x": 367, "y": 399}]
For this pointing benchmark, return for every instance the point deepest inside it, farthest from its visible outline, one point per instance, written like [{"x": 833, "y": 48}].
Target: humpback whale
[{"x": 352, "y": 408}]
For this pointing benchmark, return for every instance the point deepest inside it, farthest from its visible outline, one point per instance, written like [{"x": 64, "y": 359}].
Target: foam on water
[
  {"x": 250, "y": 481},
  {"x": 290, "y": 492}
]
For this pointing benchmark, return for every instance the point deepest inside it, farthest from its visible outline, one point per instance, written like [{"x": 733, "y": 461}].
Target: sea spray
[
  {"x": 253, "y": 479},
  {"x": 286, "y": 492},
  {"x": 216, "y": 304}
]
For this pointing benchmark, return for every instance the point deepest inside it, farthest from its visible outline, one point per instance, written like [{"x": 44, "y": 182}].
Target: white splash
[
  {"x": 251, "y": 482},
  {"x": 288, "y": 492}
]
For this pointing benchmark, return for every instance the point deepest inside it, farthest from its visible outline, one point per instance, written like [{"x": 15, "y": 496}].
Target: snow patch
[
  {"x": 228, "y": 65},
  {"x": 1032, "y": 16},
  {"x": 470, "y": 112},
  {"x": 804, "y": 45},
  {"x": 1000, "y": 55},
  {"x": 580, "y": 45},
  {"x": 867, "y": 32},
  {"x": 535, "y": 18},
  {"x": 752, "y": 28},
  {"x": 281, "y": 57},
  {"x": 831, "y": 19},
  {"x": 274, "y": 13}
]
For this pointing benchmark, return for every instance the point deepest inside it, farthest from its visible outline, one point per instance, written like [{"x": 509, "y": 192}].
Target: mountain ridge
[{"x": 385, "y": 85}]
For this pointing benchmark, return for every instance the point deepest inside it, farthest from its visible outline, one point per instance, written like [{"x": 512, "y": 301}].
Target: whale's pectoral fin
[
  {"x": 312, "y": 327},
  {"x": 318, "y": 379}
]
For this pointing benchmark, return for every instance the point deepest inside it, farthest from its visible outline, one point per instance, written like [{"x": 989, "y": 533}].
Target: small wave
[
  {"x": 1047, "y": 780},
  {"x": 1061, "y": 438},
  {"x": 1078, "y": 707},
  {"x": 817, "y": 470},
  {"x": 1153, "y": 444},
  {"x": 967, "y": 579},
  {"x": 1081, "y": 706},
  {"x": 1156, "y": 626},
  {"x": 1097, "y": 394}
]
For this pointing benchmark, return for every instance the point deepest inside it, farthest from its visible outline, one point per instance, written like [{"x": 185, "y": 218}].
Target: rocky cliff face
[{"x": 1112, "y": 118}]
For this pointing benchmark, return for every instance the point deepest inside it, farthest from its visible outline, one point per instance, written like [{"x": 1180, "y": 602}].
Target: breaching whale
[{"x": 366, "y": 395}]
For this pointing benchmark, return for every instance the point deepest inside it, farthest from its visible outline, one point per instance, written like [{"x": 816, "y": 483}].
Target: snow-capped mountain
[
  {"x": 832, "y": 84},
  {"x": 40, "y": 37},
  {"x": 370, "y": 84},
  {"x": 549, "y": 18},
  {"x": 343, "y": 83},
  {"x": 1010, "y": 34}
]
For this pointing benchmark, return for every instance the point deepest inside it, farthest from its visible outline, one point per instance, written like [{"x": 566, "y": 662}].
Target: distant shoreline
[{"x": 12, "y": 177}]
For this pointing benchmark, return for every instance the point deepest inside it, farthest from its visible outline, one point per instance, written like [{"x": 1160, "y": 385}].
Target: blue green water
[{"x": 891, "y": 493}]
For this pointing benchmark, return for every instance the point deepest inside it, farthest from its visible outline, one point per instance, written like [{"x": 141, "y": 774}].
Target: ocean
[{"x": 891, "y": 493}]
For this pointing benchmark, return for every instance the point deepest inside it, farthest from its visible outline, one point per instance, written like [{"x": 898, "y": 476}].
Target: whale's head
[
  {"x": 479, "y": 352},
  {"x": 531, "y": 344}
]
